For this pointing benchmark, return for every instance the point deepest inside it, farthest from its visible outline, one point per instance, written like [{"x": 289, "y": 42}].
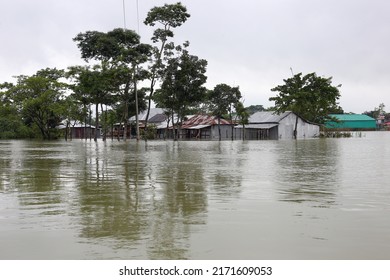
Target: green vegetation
[
  {"x": 116, "y": 63},
  {"x": 310, "y": 96},
  {"x": 222, "y": 100},
  {"x": 33, "y": 104},
  {"x": 166, "y": 18},
  {"x": 183, "y": 79}
]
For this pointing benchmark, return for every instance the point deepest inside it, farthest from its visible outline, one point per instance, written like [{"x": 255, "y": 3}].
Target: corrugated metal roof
[
  {"x": 76, "y": 124},
  {"x": 267, "y": 117},
  {"x": 352, "y": 117},
  {"x": 153, "y": 112},
  {"x": 200, "y": 126},
  {"x": 259, "y": 126},
  {"x": 158, "y": 118},
  {"x": 203, "y": 120}
]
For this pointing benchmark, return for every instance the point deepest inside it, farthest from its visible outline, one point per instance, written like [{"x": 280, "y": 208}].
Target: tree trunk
[
  {"x": 136, "y": 106},
  {"x": 231, "y": 122},
  {"x": 66, "y": 131},
  {"x": 125, "y": 123},
  {"x": 104, "y": 121},
  {"x": 219, "y": 128},
  {"x": 175, "y": 131},
  {"x": 296, "y": 128},
  {"x": 85, "y": 121},
  {"x": 90, "y": 120},
  {"x": 97, "y": 122},
  {"x": 153, "y": 82}
]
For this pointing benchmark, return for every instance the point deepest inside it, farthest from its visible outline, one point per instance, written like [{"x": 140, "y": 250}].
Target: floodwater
[{"x": 306, "y": 199}]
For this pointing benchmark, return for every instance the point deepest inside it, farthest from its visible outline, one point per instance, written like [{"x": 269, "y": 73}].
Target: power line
[
  {"x": 137, "y": 18},
  {"x": 124, "y": 15}
]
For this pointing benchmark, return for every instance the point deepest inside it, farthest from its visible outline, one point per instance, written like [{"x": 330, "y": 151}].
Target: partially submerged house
[
  {"x": 79, "y": 130},
  {"x": 351, "y": 122},
  {"x": 157, "y": 118},
  {"x": 159, "y": 112},
  {"x": 272, "y": 126},
  {"x": 206, "y": 127}
]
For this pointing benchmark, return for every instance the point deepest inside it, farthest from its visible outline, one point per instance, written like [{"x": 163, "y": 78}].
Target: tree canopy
[
  {"x": 222, "y": 99},
  {"x": 182, "y": 82},
  {"x": 117, "y": 61},
  {"x": 121, "y": 55},
  {"x": 310, "y": 96},
  {"x": 166, "y": 18},
  {"x": 38, "y": 99}
]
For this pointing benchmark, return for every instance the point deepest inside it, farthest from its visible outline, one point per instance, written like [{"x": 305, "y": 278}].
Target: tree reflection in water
[{"x": 308, "y": 172}]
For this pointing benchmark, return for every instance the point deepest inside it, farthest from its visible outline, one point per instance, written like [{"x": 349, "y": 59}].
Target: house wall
[
  {"x": 304, "y": 129},
  {"x": 81, "y": 132},
  {"x": 226, "y": 132},
  {"x": 284, "y": 130},
  {"x": 256, "y": 134}
]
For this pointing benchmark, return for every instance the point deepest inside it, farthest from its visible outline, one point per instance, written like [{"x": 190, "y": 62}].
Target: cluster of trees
[
  {"x": 379, "y": 113},
  {"x": 117, "y": 63},
  {"x": 310, "y": 96}
]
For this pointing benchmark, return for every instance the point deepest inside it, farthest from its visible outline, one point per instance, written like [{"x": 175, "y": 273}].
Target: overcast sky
[{"x": 253, "y": 44}]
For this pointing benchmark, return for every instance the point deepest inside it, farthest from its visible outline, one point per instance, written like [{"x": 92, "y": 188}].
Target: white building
[{"x": 273, "y": 126}]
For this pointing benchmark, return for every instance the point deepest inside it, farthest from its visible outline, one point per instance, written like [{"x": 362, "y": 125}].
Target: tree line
[{"x": 117, "y": 63}]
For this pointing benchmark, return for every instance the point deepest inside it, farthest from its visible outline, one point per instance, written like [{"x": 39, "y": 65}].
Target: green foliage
[
  {"x": 121, "y": 55},
  {"x": 255, "y": 108},
  {"x": 149, "y": 133},
  {"x": 378, "y": 111},
  {"x": 118, "y": 45},
  {"x": 11, "y": 123},
  {"x": 37, "y": 98},
  {"x": 309, "y": 96},
  {"x": 168, "y": 16},
  {"x": 222, "y": 99},
  {"x": 183, "y": 80},
  {"x": 242, "y": 113}
]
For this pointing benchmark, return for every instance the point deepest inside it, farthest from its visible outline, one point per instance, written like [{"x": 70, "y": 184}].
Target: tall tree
[
  {"x": 81, "y": 93},
  {"x": 222, "y": 101},
  {"x": 167, "y": 18},
  {"x": 310, "y": 96},
  {"x": 120, "y": 52},
  {"x": 93, "y": 82},
  {"x": 183, "y": 82},
  {"x": 71, "y": 110}
]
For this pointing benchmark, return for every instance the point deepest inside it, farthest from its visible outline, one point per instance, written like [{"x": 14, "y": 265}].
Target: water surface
[{"x": 307, "y": 199}]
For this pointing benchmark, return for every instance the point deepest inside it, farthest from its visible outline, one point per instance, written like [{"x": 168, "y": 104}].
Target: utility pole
[{"x": 135, "y": 72}]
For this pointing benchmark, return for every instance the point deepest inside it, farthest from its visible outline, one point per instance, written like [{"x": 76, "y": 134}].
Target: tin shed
[
  {"x": 273, "y": 126},
  {"x": 206, "y": 127},
  {"x": 351, "y": 122}
]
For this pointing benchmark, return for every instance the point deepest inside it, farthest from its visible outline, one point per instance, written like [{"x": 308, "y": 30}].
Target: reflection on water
[
  {"x": 314, "y": 199},
  {"x": 309, "y": 172}
]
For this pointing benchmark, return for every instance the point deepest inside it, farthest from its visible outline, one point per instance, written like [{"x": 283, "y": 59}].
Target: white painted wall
[{"x": 305, "y": 130}]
